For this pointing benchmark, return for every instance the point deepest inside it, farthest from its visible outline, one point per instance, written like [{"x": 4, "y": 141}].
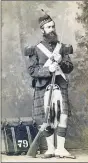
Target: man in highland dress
[{"x": 41, "y": 74}]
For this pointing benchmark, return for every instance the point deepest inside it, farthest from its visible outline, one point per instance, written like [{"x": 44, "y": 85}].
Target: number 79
[{"x": 22, "y": 143}]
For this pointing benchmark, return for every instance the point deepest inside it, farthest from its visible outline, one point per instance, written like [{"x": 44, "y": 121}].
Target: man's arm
[
  {"x": 66, "y": 63},
  {"x": 35, "y": 69}
]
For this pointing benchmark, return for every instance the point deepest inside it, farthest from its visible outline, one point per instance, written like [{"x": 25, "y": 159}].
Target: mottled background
[{"x": 19, "y": 29}]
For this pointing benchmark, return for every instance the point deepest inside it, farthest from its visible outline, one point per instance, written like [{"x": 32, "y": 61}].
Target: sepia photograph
[{"x": 44, "y": 81}]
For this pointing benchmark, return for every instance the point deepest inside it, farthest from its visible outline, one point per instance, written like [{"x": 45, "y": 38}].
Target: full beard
[{"x": 51, "y": 37}]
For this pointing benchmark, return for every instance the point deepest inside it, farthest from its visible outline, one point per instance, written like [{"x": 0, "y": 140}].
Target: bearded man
[{"x": 42, "y": 75}]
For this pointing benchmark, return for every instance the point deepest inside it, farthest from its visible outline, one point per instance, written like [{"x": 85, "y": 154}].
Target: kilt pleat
[{"x": 38, "y": 104}]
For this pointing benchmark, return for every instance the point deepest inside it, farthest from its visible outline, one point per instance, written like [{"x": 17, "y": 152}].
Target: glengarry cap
[{"x": 44, "y": 18}]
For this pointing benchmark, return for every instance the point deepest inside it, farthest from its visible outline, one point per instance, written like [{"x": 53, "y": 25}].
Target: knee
[{"x": 63, "y": 120}]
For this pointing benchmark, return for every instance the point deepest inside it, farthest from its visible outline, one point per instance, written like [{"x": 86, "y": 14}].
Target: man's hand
[
  {"x": 57, "y": 57},
  {"x": 43, "y": 126},
  {"x": 52, "y": 58},
  {"x": 53, "y": 67}
]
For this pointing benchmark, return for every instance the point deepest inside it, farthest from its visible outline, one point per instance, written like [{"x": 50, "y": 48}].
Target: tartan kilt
[
  {"x": 38, "y": 105},
  {"x": 38, "y": 113}
]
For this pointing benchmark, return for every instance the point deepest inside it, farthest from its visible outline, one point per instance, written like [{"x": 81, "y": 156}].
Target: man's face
[
  {"x": 49, "y": 27},
  {"x": 49, "y": 30}
]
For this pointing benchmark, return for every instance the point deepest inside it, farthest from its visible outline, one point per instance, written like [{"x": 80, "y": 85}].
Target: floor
[{"x": 81, "y": 156}]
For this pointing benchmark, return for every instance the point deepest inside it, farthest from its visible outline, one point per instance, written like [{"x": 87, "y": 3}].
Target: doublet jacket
[{"x": 41, "y": 75}]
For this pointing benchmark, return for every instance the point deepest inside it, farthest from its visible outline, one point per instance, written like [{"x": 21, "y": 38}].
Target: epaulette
[{"x": 29, "y": 50}]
